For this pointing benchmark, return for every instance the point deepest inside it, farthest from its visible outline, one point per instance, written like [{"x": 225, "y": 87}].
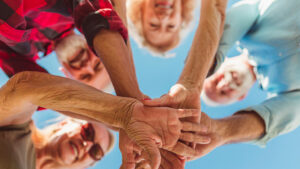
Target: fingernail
[{"x": 181, "y": 157}]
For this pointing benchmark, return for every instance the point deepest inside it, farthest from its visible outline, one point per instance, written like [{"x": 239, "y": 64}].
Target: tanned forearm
[
  {"x": 205, "y": 43},
  {"x": 65, "y": 95},
  {"x": 240, "y": 127},
  {"x": 117, "y": 57}
]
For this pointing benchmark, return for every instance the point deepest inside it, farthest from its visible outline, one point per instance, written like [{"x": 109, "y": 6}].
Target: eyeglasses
[{"x": 88, "y": 134}]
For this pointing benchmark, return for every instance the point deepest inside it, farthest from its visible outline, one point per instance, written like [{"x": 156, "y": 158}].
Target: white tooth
[{"x": 75, "y": 150}]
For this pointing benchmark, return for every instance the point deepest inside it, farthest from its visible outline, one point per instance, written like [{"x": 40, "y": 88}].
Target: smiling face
[
  {"x": 76, "y": 144},
  {"x": 230, "y": 83},
  {"x": 161, "y": 21},
  {"x": 80, "y": 63}
]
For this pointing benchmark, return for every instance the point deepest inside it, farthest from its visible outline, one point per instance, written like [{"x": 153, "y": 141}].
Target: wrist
[
  {"x": 124, "y": 113},
  {"x": 240, "y": 127}
]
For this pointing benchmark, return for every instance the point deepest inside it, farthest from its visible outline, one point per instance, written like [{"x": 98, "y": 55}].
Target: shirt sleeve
[
  {"x": 11, "y": 64},
  {"x": 239, "y": 20},
  {"x": 91, "y": 16},
  {"x": 280, "y": 113}
]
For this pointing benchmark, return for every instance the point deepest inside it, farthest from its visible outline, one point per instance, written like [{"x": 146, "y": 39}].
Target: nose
[
  {"x": 87, "y": 145},
  {"x": 223, "y": 85},
  {"x": 88, "y": 69}
]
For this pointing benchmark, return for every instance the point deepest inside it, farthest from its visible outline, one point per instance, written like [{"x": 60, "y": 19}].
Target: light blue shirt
[{"x": 270, "y": 31}]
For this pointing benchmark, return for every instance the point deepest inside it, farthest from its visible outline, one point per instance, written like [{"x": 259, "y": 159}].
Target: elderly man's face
[
  {"x": 77, "y": 145},
  {"x": 161, "y": 20},
  {"x": 230, "y": 83},
  {"x": 85, "y": 66}
]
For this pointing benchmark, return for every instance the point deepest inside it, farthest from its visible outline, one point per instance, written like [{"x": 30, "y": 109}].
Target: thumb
[{"x": 158, "y": 102}]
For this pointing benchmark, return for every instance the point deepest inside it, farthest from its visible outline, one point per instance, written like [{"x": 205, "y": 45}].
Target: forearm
[
  {"x": 241, "y": 127},
  {"x": 66, "y": 95},
  {"x": 114, "y": 53},
  {"x": 205, "y": 43}
]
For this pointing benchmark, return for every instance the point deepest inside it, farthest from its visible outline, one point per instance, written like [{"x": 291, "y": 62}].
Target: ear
[{"x": 242, "y": 97}]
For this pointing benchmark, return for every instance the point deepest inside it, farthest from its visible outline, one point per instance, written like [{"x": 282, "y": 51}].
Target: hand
[
  {"x": 170, "y": 160},
  {"x": 215, "y": 135},
  {"x": 178, "y": 97},
  {"x": 160, "y": 127},
  {"x": 131, "y": 153}
]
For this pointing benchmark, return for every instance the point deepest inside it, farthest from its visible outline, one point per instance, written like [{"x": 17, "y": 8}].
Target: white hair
[
  {"x": 68, "y": 45},
  {"x": 208, "y": 101}
]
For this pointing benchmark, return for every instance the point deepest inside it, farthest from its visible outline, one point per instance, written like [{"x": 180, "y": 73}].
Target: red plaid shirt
[{"x": 28, "y": 27}]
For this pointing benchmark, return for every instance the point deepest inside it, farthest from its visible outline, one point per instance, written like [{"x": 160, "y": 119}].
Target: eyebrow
[{"x": 78, "y": 56}]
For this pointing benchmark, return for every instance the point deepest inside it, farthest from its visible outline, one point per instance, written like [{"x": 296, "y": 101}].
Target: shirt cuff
[{"x": 102, "y": 19}]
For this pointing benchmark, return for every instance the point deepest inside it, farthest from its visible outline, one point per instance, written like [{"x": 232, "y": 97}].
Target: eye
[
  {"x": 171, "y": 26},
  {"x": 85, "y": 77},
  {"x": 236, "y": 78},
  {"x": 96, "y": 152},
  {"x": 98, "y": 66},
  {"x": 153, "y": 25}
]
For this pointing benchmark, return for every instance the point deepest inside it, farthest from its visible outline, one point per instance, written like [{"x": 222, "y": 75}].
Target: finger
[
  {"x": 157, "y": 102},
  {"x": 189, "y": 126},
  {"x": 153, "y": 154},
  {"x": 184, "y": 150},
  {"x": 194, "y": 138},
  {"x": 127, "y": 166},
  {"x": 182, "y": 113},
  {"x": 174, "y": 160},
  {"x": 165, "y": 164},
  {"x": 128, "y": 160},
  {"x": 143, "y": 165}
]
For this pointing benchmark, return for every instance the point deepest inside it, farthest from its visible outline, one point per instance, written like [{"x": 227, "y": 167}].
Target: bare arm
[
  {"x": 21, "y": 95},
  {"x": 243, "y": 126},
  {"x": 240, "y": 127},
  {"x": 117, "y": 57},
  {"x": 205, "y": 43}
]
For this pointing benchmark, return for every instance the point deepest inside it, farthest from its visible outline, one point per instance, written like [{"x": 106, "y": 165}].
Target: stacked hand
[
  {"x": 160, "y": 127},
  {"x": 178, "y": 97}
]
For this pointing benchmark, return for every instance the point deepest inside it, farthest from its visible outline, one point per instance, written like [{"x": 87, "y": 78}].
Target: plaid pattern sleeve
[
  {"x": 91, "y": 16},
  {"x": 12, "y": 63},
  {"x": 28, "y": 27}
]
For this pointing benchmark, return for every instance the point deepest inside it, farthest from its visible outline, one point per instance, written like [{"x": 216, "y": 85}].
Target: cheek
[{"x": 67, "y": 152}]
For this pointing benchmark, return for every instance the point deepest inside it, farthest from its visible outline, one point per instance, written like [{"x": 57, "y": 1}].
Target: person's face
[
  {"x": 161, "y": 20},
  {"x": 86, "y": 67},
  {"x": 77, "y": 145},
  {"x": 230, "y": 83}
]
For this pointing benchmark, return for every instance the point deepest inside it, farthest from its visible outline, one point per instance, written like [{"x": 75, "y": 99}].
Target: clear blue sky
[{"x": 156, "y": 76}]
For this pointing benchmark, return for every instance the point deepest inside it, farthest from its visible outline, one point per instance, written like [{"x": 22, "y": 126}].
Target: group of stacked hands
[{"x": 154, "y": 133}]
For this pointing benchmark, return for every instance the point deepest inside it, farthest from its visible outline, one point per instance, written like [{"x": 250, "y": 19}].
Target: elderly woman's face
[
  {"x": 161, "y": 20},
  {"x": 78, "y": 145}
]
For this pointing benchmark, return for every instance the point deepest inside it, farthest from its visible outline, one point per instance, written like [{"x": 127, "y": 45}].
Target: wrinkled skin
[{"x": 152, "y": 128}]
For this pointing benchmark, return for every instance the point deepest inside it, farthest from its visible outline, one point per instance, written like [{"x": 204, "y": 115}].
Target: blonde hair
[{"x": 134, "y": 15}]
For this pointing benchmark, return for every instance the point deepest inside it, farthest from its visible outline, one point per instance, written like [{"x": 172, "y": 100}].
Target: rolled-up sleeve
[
  {"x": 280, "y": 113},
  {"x": 91, "y": 16}
]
